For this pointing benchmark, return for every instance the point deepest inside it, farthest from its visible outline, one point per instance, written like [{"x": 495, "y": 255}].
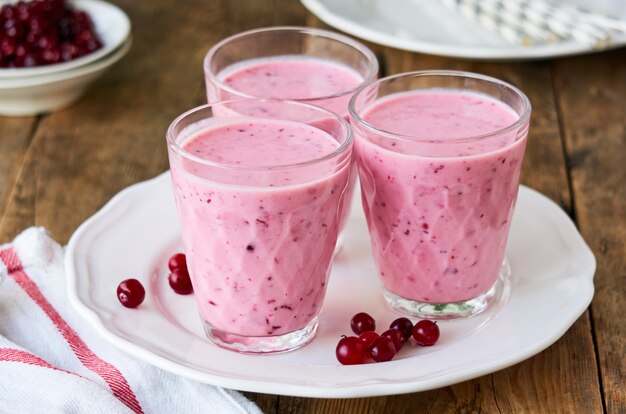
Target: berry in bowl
[
  {"x": 44, "y": 32},
  {"x": 52, "y": 50},
  {"x": 48, "y": 36}
]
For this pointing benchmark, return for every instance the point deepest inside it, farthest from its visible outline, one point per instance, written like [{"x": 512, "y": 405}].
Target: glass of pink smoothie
[
  {"x": 297, "y": 63},
  {"x": 258, "y": 198},
  {"x": 439, "y": 156}
]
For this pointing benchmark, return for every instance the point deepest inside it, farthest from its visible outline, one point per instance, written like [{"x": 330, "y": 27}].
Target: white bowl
[
  {"x": 111, "y": 24},
  {"x": 46, "y": 93}
]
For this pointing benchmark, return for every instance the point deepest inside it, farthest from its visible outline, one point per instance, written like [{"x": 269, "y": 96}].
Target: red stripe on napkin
[
  {"x": 16, "y": 355},
  {"x": 113, "y": 377}
]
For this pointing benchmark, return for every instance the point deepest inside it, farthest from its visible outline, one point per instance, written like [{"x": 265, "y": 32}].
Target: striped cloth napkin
[
  {"x": 52, "y": 361},
  {"x": 534, "y": 22}
]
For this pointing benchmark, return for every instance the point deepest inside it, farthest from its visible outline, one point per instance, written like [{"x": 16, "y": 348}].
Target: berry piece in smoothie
[
  {"x": 426, "y": 333},
  {"x": 351, "y": 351},
  {"x": 131, "y": 293},
  {"x": 362, "y": 322}
]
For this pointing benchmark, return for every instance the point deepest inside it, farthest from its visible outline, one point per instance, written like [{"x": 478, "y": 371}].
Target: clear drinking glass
[
  {"x": 439, "y": 156},
  {"x": 258, "y": 229},
  {"x": 295, "y": 47},
  {"x": 297, "y": 63}
]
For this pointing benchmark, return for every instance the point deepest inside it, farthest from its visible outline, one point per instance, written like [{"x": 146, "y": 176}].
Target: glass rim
[
  {"x": 178, "y": 149},
  {"x": 523, "y": 118},
  {"x": 361, "y": 48}
]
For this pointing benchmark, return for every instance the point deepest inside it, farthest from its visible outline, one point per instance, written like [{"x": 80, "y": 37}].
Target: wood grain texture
[
  {"x": 591, "y": 94},
  {"x": 15, "y": 137},
  {"x": 59, "y": 169}
]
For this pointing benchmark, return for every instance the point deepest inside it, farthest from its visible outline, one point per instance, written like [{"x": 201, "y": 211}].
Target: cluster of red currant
[
  {"x": 131, "y": 292},
  {"x": 369, "y": 345},
  {"x": 42, "y": 32}
]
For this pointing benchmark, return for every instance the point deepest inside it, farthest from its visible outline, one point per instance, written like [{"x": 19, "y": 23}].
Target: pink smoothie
[
  {"x": 299, "y": 77},
  {"x": 258, "y": 244},
  {"x": 291, "y": 77},
  {"x": 439, "y": 211}
]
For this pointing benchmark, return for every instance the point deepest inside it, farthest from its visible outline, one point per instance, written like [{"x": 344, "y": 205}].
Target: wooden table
[{"x": 56, "y": 170}]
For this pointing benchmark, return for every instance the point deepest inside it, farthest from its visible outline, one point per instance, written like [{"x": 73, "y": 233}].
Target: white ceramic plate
[
  {"x": 135, "y": 233},
  {"x": 111, "y": 24},
  {"x": 427, "y": 26}
]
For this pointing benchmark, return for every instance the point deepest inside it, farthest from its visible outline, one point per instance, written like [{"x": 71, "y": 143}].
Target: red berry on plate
[
  {"x": 426, "y": 333},
  {"x": 177, "y": 261},
  {"x": 368, "y": 338},
  {"x": 383, "y": 349},
  {"x": 351, "y": 351},
  {"x": 404, "y": 325},
  {"x": 180, "y": 281},
  {"x": 131, "y": 293},
  {"x": 396, "y": 337},
  {"x": 362, "y": 322}
]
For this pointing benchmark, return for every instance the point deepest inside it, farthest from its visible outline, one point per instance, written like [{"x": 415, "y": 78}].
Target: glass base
[
  {"x": 261, "y": 344},
  {"x": 453, "y": 310}
]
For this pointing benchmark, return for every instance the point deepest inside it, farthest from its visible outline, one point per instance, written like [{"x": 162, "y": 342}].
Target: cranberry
[
  {"x": 51, "y": 56},
  {"x": 351, "y": 350},
  {"x": 47, "y": 41},
  {"x": 404, "y": 325},
  {"x": 177, "y": 261},
  {"x": 7, "y": 46},
  {"x": 92, "y": 45},
  {"x": 426, "y": 333},
  {"x": 68, "y": 51},
  {"x": 131, "y": 293},
  {"x": 21, "y": 50},
  {"x": 7, "y": 11},
  {"x": 362, "y": 322},
  {"x": 383, "y": 349},
  {"x": 32, "y": 59},
  {"x": 38, "y": 24},
  {"x": 180, "y": 281},
  {"x": 45, "y": 30},
  {"x": 368, "y": 338},
  {"x": 396, "y": 337}
]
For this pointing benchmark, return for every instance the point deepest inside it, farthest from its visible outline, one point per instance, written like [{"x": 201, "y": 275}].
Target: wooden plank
[
  {"x": 267, "y": 403},
  {"x": 591, "y": 91},
  {"x": 15, "y": 137}
]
